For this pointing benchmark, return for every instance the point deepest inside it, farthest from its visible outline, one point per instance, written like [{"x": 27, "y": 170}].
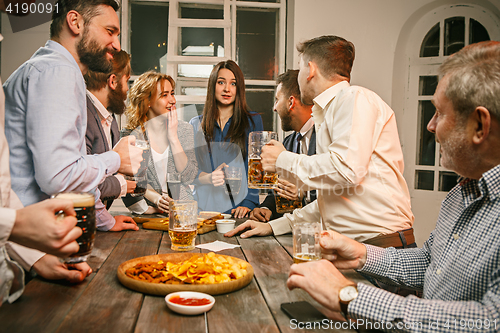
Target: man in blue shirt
[
  {"x": 458, "y": 267},
  {"x": 46, "y": 116}
]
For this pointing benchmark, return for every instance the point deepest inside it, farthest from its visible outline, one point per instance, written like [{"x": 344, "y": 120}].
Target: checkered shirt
[{"x": 458, "y": 269}]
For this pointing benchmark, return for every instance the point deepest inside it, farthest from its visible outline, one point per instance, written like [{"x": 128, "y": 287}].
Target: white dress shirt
[{"x": 357, "y": 169}]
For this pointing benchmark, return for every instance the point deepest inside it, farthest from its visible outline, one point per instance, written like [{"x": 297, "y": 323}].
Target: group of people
[{"x": 343, "y": 160}]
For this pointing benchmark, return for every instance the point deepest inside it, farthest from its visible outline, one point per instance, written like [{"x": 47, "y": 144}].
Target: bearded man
[
  {"x": 106, "y": 95},
  {"x": 46, "y": 117}
]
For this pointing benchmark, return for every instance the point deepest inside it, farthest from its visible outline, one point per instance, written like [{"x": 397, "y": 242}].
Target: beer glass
[
  {"x": 284, "y": 205},
  {"x": 233, "y": 179},
  {"x": 182, "y": 224},
  {"x": 257, "y": 177},
  {"x": 174, "y": 185},
  {"x": 141, "y": 176},
  {"x": 306, "y": 237},
  {"x": 84, "y": 205}
]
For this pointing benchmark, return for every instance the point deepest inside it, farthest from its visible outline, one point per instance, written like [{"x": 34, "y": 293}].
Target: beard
[
  {"x": 116, "y": 99},
  {"x": 92, "y": 55},
  {"x": 457, "y": 154},
  {"x": 286, "y": 122}
]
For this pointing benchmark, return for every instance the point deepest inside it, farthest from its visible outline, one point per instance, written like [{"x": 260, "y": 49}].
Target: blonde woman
[{"x": 152, "y": 117}]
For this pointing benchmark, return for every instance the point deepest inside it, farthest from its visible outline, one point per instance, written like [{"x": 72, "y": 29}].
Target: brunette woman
[
  {"x": 221, "y": 139},
  {"x": 152, "y": 117}
]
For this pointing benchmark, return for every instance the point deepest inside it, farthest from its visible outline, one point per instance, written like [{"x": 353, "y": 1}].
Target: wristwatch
[{"x": 346, "y": 295}]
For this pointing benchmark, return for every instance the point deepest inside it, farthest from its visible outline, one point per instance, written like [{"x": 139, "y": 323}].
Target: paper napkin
[{"x": 217, "y": 246}]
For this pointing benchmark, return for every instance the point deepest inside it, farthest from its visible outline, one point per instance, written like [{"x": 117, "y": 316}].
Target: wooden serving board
[
  {"x": 162, "y": 289},
  {"x": 142, "y": 219},
  {"x": 164, "y": 227}
]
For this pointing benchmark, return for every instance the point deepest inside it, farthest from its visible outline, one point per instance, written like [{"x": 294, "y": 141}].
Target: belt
[{"x": 398, "y": 239}]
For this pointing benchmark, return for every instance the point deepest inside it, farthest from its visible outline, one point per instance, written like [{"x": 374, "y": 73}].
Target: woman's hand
[
  {"x": 172, "y": 123},
  {"x": 163, "y": 202},
  {"x": 217, "y": 176},
  {"x": 240, "y": 212}
]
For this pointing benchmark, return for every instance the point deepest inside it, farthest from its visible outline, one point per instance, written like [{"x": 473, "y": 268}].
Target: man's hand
[
  {"x": 38, "y": 227},
  {"x": 269, "y": 155},
  {"x": 131, "y": 185},
  {"x": 260, "y": 214},
  {"x": 256, "y": 229},
  {"x": 240, "y": 212},
  {"x": 130, "y": 155},
  {"x": 321, "y": 280},
  {"x": 287, "y": 190},
  {"x": 343, "y": 252},
  {"x": 51, "y": 268},
  {"x": 124, "y": 223},
  {"x": 217, "y": 176}
]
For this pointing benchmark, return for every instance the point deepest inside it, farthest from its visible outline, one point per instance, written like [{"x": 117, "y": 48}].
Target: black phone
[{"x": 302, "y": 311}]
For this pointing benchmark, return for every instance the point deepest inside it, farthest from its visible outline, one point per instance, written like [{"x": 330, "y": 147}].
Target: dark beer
[
  {"x": 175, "y": 189},
  {"x": 84, "y": 206},
  {"x": 141, "y": 176}
]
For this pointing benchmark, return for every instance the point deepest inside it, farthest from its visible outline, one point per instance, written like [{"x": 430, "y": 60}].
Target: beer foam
[{"x": 79, "y": 199}]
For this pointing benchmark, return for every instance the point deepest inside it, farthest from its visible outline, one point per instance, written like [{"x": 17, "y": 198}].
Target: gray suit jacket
[
  {"x": 186, "y": 137},
  {"x": 98, "y": 144}
]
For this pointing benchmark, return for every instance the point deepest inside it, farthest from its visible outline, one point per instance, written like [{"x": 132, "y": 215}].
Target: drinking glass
[
  {"x": 84, "y": 206},
  {"x": 284, "y": 205},
  {"x": 233, "y": 176},
  {"x": 174, "y": 185},
  {"x": 257, "y": 177},
  {"x": 306, "y": 237},
  {"x": 141, "y": 176},
  {"x": 182, "y": 224}
]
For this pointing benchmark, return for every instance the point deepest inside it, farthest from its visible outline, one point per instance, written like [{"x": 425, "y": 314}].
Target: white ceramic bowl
[
  {"x": 189, "y": 309},
  {"x": 224, "y": 226},
  {"x": 226, "y": 216}
]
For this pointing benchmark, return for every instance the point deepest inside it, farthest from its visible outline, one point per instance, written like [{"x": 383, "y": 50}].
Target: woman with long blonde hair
[
  {"x": 221, "y": 138},
  {"x": 152, "y": 116}
]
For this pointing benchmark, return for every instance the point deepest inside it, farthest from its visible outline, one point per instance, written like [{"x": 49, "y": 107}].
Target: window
[
  {"x": 442, "y": 40},
  {"x": 186, "y": 38}
]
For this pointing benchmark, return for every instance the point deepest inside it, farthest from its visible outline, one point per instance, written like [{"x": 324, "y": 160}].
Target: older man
[{"x": 458, "y": 267}]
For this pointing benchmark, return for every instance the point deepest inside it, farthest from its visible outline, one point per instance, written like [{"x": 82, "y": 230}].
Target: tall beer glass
[
  {"x": 84, "y": 205},
  {"x": 182, "y": 224},
  {"x": 257, "y": 177},
  {"x": 306, "y": 237},
  {"x": 141, "y": 176}
]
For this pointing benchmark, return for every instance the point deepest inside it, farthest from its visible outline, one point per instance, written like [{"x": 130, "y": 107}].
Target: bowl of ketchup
[{"x": 189, "y": 302}]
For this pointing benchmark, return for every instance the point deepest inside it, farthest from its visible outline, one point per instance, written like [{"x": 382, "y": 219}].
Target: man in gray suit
[{"x": 106, "y": 95}]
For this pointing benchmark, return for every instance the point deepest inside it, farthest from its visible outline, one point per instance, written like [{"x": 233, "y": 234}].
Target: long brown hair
[
  {"x": 239, "y": 123},
  {"x": 140, "y": 95}
]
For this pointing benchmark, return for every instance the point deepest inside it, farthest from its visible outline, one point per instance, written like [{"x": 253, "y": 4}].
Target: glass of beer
[
  {"x": 284, "y": 205},
  {"x": 174, "y": 185},
  {"x": 182, "y": 224},
  {"x": 141, "y": 176},
  {"x": 257, "y": 177},
  {"x": 84, "y": 205},
  {"x": 306, "y": 238},
  {"x": 233, "y": 179}
]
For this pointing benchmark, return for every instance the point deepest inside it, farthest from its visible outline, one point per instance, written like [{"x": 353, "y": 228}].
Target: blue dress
[{"x": 209, "y": 197}]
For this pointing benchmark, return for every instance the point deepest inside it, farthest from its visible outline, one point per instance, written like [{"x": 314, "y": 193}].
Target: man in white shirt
[{"x": 358, "y": 166}]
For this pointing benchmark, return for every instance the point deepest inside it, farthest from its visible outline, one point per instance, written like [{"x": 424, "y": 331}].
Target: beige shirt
[{"x": 357, "y": 169}]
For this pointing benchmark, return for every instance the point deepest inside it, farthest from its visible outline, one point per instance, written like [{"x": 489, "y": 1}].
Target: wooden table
[{"x": 102, "y": 304}]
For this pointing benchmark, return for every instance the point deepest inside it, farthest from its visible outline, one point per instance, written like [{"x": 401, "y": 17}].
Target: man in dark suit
[
  {"x": 106, "y": 95},
  {"x": 296, "y": 117}
]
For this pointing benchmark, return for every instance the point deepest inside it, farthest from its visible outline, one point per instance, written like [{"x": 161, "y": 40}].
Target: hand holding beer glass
[
  {"x": 84, "y": 206},
  {"x": 182, "y": 224},
  {"x": 257, "y": 177},
  {"x": 233, "y": 176},
  {"x": 141, "y": 176},
  {"x": 306, "y": 237},
  {"x": 286, "y": 204}
]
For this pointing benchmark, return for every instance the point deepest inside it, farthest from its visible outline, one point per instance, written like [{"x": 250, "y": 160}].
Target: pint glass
[
  {"x": 84, "y": 205},
  {"x": 182, "y": 224},
  {"x": 141, "y": 176},
  {"x": 257, "y": 177},
  {"x": 306, "y": 237}
]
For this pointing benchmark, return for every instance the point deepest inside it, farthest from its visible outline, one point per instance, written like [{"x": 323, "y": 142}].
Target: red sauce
[{"x": 189, "y": 301}]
